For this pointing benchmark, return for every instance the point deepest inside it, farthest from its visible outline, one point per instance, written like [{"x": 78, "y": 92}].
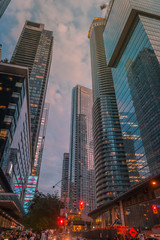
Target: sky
[{"x": 70, "y": 21}]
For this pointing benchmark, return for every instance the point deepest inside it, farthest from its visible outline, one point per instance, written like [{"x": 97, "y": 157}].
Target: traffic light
[
  {"x": 81, "y": 205},
  {"x": 60, "y": 221},
  {"x": 154, "y": 208}
]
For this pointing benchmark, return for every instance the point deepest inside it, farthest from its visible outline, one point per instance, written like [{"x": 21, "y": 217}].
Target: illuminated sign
[{"x": 30, "y": 191}]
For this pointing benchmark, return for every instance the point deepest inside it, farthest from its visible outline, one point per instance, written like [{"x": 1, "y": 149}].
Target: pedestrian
[
  {"x": 43, "y": 236},
  {"x": 11, "y": 237},
  {"x": 2, "y": 237},
  {"x": 32, "y": 237}
]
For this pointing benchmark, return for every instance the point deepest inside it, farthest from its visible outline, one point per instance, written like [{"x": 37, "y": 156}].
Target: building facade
[
  {"x": 110, "y": 162},
  {"x": 134, "y": 55},
  {"x": 131, "y": 38},
  {"x": 65, "y": 176},
  {"x": 65, "y": 181},
  {"x": 15, "y": 138},
  {"x": 81, "y": 160},
  {"x": 3, "y": 6},
  {"x": 33, "y": 179},
  {"x": 34, "y": 50}
]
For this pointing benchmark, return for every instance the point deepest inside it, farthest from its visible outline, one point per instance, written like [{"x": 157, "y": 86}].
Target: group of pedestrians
[{"x": 23, "y": 235}]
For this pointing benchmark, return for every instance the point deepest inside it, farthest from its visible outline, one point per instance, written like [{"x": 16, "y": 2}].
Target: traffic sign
[{"x": 133, "y": 232}]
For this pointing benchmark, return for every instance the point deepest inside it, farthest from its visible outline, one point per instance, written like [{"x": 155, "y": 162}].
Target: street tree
[{"x": 43, "y": 212}]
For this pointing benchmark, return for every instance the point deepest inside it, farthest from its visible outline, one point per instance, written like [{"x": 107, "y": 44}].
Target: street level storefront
[
  {"x": 139, "y": 207},
  {"x": 7, "y": 222}
]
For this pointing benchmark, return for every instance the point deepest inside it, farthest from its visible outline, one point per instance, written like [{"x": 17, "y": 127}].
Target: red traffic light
[
  {"x": 81, "y": 205},
  {"x": 61, "y": 221},
  {"x": 154, "y": 208}
]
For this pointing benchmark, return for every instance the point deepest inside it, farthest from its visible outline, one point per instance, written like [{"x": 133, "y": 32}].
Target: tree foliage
[{"x": 43, "y": 212}]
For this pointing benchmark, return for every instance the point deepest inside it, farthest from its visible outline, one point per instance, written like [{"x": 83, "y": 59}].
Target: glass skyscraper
[
  {"x": 110, "y": 162},
  {"x": 3, "y": 6},
  {"x": 33, "y": 179},
  {"x": 81, "y": 159},
  {"x": 34, "y": 50},
  {"x": 132, "y": 44}
]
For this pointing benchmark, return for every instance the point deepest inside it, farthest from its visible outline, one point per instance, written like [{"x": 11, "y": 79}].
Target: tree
[{"x": 43, "y": 212}]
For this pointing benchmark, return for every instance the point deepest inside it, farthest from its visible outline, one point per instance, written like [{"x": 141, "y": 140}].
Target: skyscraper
[
  {"x": 34, "y": 50},
  {"x": 110, "y": 161},
  {"x": 33, "y": 179},
  {"x": 65, "y": 179},
  {"x": 41, "y": 140},
  {"x": 81, "y": 160},
  {"x": 65, "y": 175},
  {"x": 3, "y": 6},
  {"x": 133, "y": 52}
]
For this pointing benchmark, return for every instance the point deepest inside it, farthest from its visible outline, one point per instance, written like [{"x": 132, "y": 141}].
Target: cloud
[{"x": 70, "y": 21}]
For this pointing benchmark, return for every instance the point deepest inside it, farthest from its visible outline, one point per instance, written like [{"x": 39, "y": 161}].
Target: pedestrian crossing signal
[
  {"x": 81, "y": 205},
  {"x": 154, "y": 208}
]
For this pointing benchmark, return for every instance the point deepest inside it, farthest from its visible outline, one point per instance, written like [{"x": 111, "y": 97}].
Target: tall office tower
[
  {"x": 133, "y": 52},
  {"x": 33, "y": 179},
  {"x": 3, "y": 6},
  {"x": 65, "y": 179},
  {"x": 15, "y": 138},
  {"x": 34, "y": 50},
  {"x": 81, "y": 163},
  {"x": 110, "y": 162}
]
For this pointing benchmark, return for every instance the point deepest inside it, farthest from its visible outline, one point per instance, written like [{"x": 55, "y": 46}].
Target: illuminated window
[
  {"x": 10, "y": 78},
  {"x": 3, "y": 134},
  {"x": 2, "y": 107},
  {"x": 8, "y": 89},
  {"x": 1, "y": 88},
  {"x": 8, "y": 119}
]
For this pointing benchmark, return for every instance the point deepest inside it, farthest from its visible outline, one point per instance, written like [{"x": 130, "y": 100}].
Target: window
[
  {"x": 15, "y": 94},
  {"x": 12, "y": 106},
  {"x": 3, "y": 134},
  {"x": 19, "y": 84}
]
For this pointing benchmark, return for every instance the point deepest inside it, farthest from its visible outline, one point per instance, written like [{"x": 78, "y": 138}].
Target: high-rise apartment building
[
  {"x": 34, "y": 50},
  {"x": 110, "y": 162},
  {"x": 81, "y": 159},
  {"x": 131, "y": 37},
  {"x": 3, "y": 6}
]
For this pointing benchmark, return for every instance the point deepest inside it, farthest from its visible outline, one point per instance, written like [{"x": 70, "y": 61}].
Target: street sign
[{"x": 133, "y": 232}]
